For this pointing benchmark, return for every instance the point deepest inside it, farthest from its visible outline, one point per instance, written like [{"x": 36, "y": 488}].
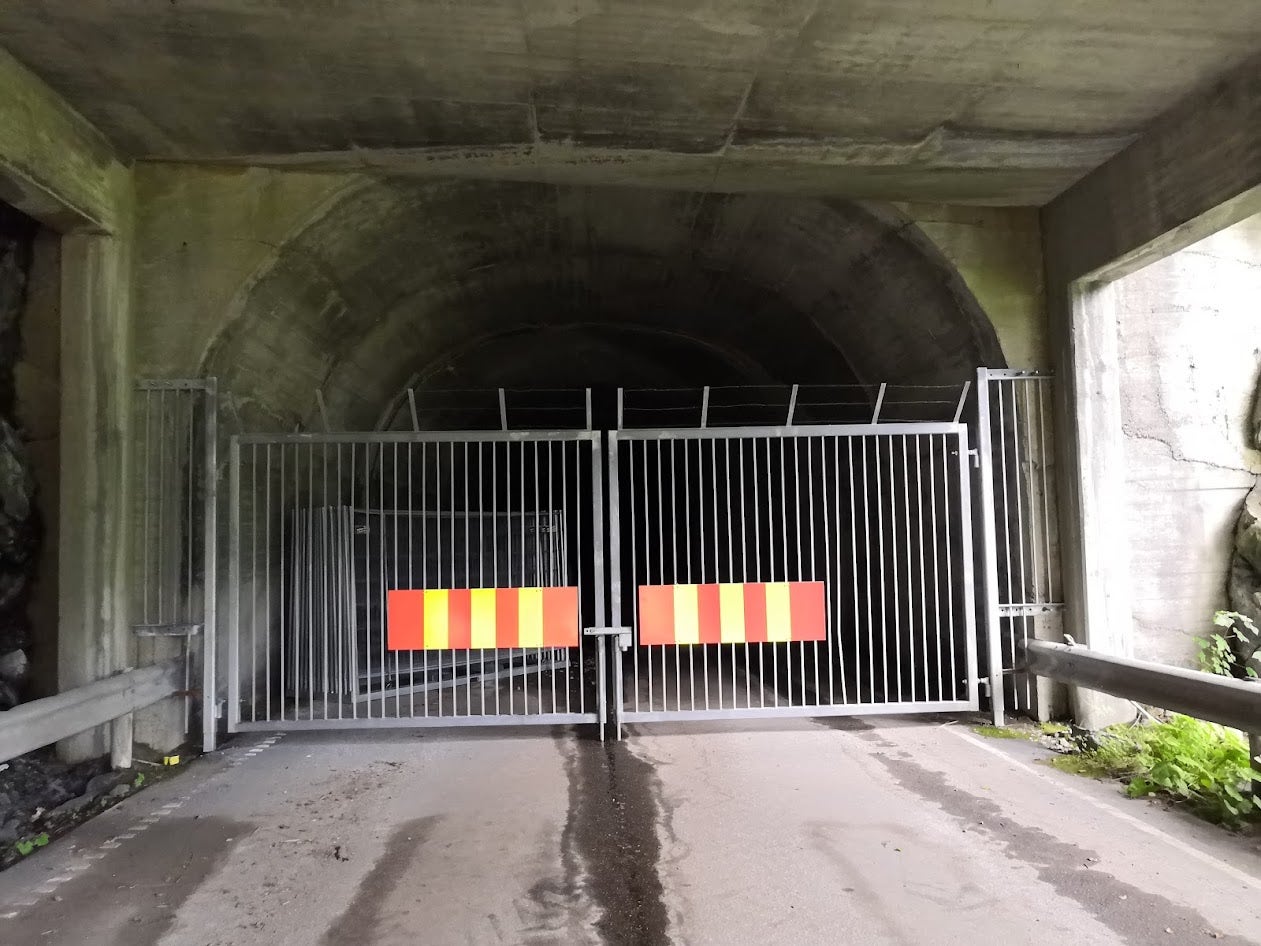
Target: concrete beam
[
  {"x": 1196, "y": 170},
  {"x": 54, "y": 165}
]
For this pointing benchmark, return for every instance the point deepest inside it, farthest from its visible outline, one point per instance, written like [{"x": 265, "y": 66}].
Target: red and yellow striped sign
[
  {"x": 752, "y": 612},
  {"x": 477, "y": 618}
]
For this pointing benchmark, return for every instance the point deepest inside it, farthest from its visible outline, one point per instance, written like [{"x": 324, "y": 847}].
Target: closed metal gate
[
  {"x": 802, "y": 571},
  {"x": 415, "y": 579}
]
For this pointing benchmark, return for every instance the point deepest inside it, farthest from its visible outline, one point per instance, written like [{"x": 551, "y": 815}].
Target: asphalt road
[{"x": 881, "y": 832}]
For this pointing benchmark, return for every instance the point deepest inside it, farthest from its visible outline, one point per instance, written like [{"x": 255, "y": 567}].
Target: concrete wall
[
  {"x": 1189, "y": 355},
  {"x": 1196, "y": 170}
]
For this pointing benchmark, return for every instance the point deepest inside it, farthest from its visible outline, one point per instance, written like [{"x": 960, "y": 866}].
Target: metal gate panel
[
  {"x": 880, "y": 514},
  {"x": 324, "y": 526},
  {"x": 1024, "y": 594},
  {"x": 176, "y": 533}
]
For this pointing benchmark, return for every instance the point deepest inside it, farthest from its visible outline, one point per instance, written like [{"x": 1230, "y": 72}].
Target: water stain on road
[{"x": 614, "y": 815}]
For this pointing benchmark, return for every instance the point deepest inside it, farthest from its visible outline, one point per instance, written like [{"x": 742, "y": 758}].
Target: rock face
[
  {"x": 1244, "y": 582},
  {"x": 20, "y": 532}
]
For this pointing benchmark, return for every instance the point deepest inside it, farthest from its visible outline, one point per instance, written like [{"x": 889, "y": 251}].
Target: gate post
[{"x": 989, "y": 545}]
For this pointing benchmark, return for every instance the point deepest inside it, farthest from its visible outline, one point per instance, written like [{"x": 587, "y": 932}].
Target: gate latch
[{"x": 623, "y": 634}]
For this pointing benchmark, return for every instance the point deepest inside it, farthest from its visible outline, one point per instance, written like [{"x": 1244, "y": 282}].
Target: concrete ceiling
[{"x": 994, "y": 101}]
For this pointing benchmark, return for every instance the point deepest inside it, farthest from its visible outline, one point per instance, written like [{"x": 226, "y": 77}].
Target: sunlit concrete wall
[{"x": 1189, "y": 342}]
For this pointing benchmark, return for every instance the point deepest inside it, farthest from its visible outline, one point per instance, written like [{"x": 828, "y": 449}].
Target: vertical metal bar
[
  {"x": 538, "y": 552},
  {"x": 744, "y": 562},
  {"x": 615, "y": 570},
  {"x": 481, "y": 558},
  {"x": 494, "y": 547},
  {"x": 875, "y": 416},
  {"x": 310, "y": 580},
  {"x": 588, "y": 405},
  {"x": 424, "y": 555},
  {"x": 210, "y": 583},
  {"x": 621, "y": 408},
  {"x": 935, "y": 524},
  {"x": 394, "y": 516},
  {"x": 1010, "y": 596},
  {"x": 411, "y": 405},
  {"x": 884, "y": 624},
  {"x": 615, "y": 573},
  {"x": 687, "y": 526},
  {"x": 234, "y": 606},
  {"x": 713, "y": 478},
  {"x": 963, "y": 399},
  {"x": 147, "y": 493},
  {"x": 381, "y": 572},
  {"x": 910, "y": 580},
  {"x": 281, "y": 537},
  {"x": 948, "y": 519},
  {"x": 1019, "y": 593},
  {"x": 813, "y": 551},
  {"x": 598, "y": 574},
  {"x": 705, "y": 407},
  {"x": 989, "y": 546},
  {"x": 792, "y": 407},
  {"x": 923, "y": 586},
  {"x": 503, "y": 410},
  {"x": 966, "y": 566},
  {"x": 1047, "y": 523}
]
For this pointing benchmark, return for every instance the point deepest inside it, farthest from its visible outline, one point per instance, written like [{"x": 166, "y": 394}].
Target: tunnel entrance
[{"x": 388, "y": 312}]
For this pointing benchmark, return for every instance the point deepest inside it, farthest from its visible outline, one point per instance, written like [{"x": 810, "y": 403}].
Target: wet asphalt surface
[{"x": 881, "y": 831}]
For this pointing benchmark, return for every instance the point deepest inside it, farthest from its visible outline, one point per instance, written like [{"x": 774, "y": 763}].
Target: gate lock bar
[{"x": 623, "y": 634}]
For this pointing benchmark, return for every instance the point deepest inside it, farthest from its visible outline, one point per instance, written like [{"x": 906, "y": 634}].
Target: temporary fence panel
[
  {"x": 415, "y": 579},
  {"x": 801, "y": 571},
  {"x": 175, "y": 530},
  {"x": 1024, "y": 593}
]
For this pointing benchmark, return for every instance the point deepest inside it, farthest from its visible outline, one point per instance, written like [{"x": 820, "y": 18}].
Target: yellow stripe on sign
[
  {"x": 483, "y": 618},
  {"x": 687, "y": 614},
  {"x": 779, "y": 620},
  {"x": 731, "y": 613},
  {"x": 530, "y": 617},
  {"x": 437, "y": 619}
]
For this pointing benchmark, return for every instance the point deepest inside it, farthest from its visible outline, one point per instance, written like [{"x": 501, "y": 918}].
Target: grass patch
[
  {"x": 1204, "y": 765},
  {"x": 1000, "y": 732},
  {"x": 1054, "y": 729}
]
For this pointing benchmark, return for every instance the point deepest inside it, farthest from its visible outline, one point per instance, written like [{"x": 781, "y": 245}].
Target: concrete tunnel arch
[{"x": 478, "y": 284}]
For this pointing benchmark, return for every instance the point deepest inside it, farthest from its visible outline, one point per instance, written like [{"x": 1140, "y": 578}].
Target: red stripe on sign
[
  {"x": 405, "y": 619},
  {"x": 656, "y": 614},
  {"x": 755, "y": 613},
  {"x": 560, "y": 617},
  {"x": 809, "y": 611},
  {"x": 507, "y": 601},
  {"x": 459, "y": 619},
  {"x": 710, "y": 621}
]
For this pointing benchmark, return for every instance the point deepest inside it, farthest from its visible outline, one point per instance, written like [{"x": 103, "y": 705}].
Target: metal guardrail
[
  {"x": 1234, "y": 703},
  {"x": 42, "y": 722}
]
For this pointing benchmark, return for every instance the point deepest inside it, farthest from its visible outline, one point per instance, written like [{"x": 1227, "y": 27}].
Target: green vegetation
[
  {"x": 1202, "y": 764},
  {"x": 27, "y": 845},
  {"x": 1001, "y": 732},
  {"x": 1219, "y": 651}
]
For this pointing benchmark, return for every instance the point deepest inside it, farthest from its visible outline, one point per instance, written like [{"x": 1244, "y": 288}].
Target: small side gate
[{"x": 792, "y": 571}]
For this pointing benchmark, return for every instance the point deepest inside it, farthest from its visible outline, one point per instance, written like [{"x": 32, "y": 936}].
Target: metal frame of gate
[
  {"x": 881, "y": 600},
  {"x": 1022, "y": 582},
  {"x": 323, "y": 525},
  {"x": 176, "y": 533}
]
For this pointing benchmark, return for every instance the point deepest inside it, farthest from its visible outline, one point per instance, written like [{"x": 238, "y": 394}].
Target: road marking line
[{"x": 1187, "y": 849}]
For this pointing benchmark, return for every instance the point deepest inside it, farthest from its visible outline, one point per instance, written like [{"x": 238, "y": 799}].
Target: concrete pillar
[{"x": 94, "y": 638}]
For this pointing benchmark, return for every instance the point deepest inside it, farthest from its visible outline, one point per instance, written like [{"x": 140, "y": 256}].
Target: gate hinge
[
  {"x": 623, "y": 634},
  {"x": 975, "y": 454}
]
